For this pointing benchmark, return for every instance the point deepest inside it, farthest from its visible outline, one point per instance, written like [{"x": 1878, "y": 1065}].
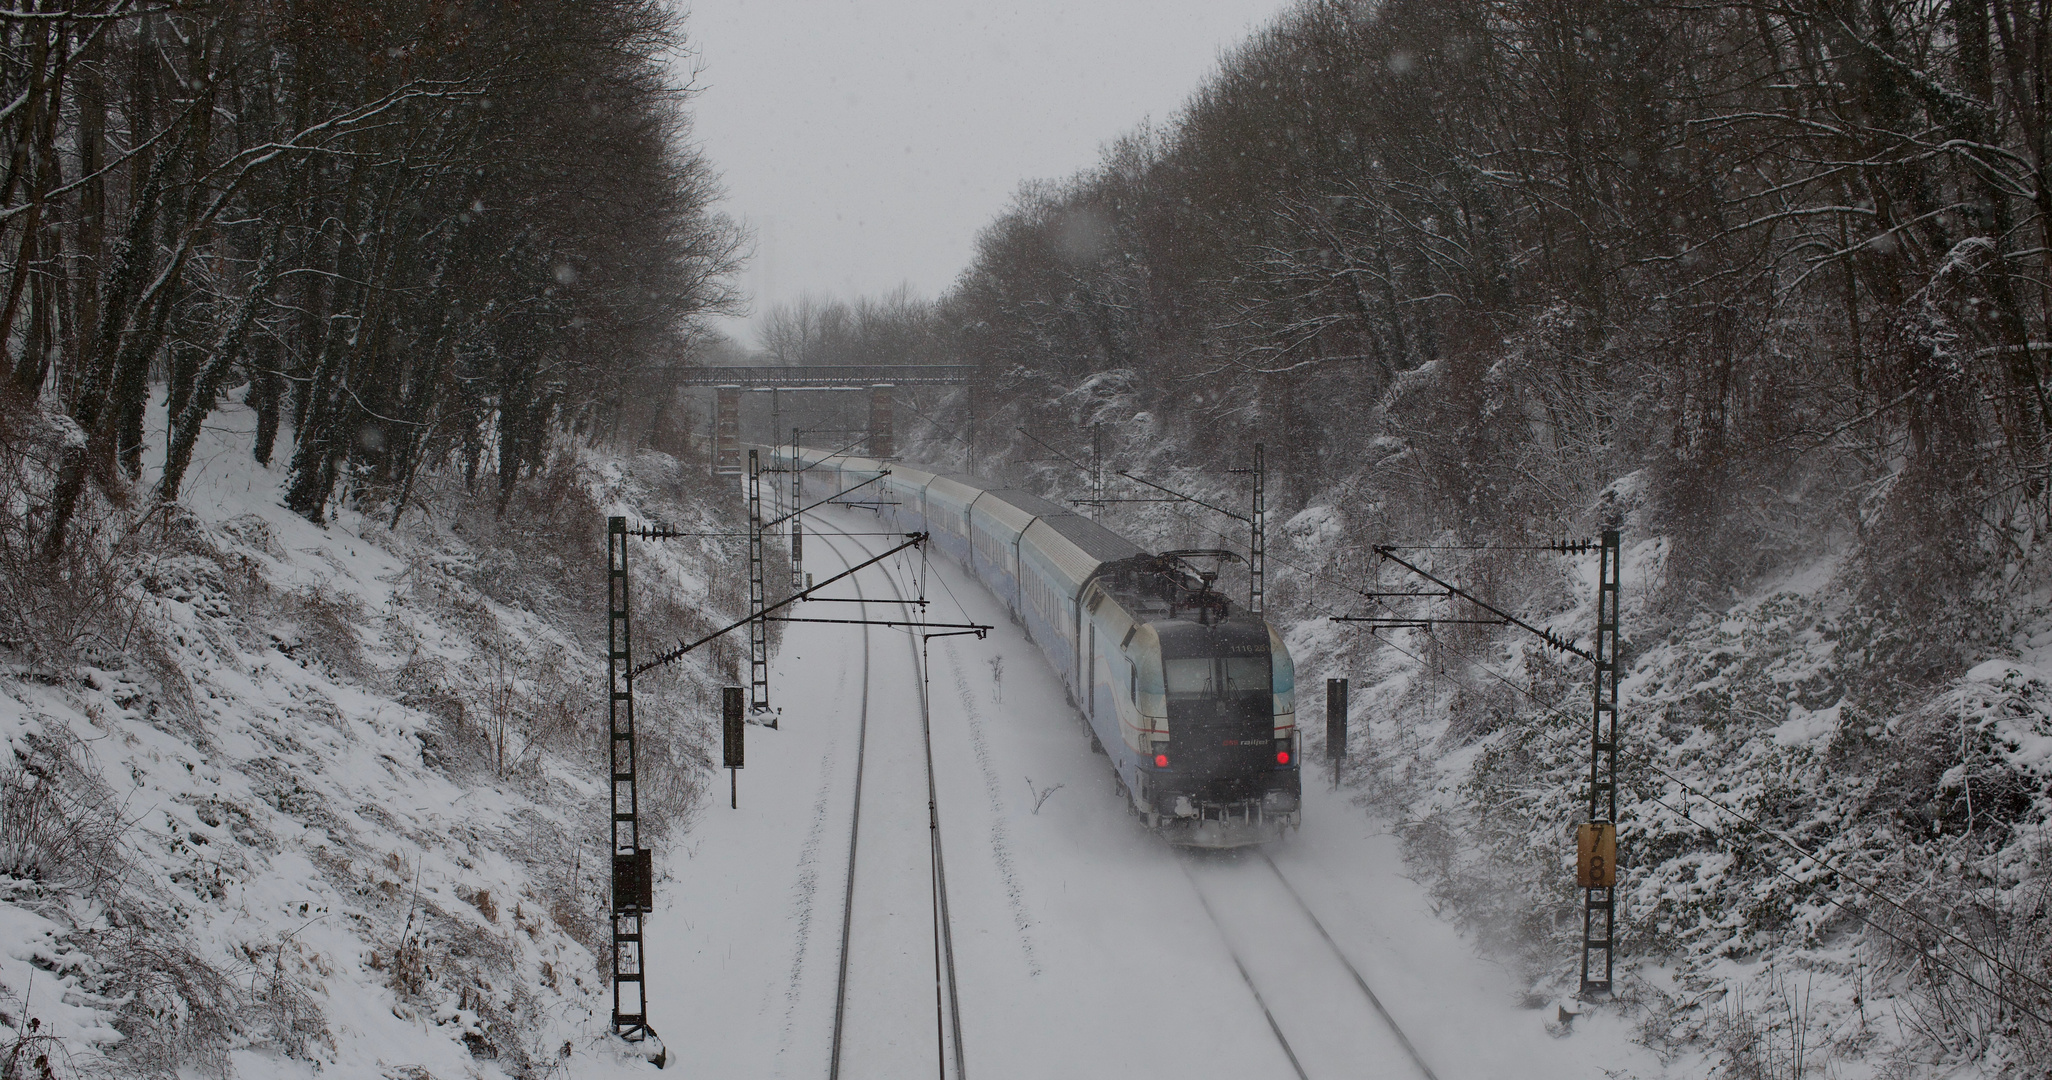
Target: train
[{"x": 1191, "y": 696}]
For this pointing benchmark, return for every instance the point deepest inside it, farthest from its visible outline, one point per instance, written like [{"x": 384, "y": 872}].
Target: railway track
[
  {"x": 1311, "y": 995},
  {"x": 882, "y": 912},
  {"x": 854, "y": 840},
  {"x": 1299, "y": 977}
]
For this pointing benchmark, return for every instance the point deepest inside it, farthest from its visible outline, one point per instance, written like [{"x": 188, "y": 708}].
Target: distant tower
[
  {"x": 727, "y": 431},
  {"x": 881, "y": 444}
]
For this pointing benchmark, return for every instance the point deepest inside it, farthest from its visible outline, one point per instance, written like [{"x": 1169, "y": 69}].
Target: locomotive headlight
[{"x": 1161, "y": 761}]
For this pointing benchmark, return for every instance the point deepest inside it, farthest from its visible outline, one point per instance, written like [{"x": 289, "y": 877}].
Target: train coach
[{"x": 1191, "y": 696}]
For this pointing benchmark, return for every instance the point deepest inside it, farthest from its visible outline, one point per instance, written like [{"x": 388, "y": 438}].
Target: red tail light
[
  {"x": 1282, "y": 757},
  {"x": 1161, "y": 761}
]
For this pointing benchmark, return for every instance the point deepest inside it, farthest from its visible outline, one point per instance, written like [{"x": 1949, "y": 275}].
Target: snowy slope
[
  {"x": 1823, "y": 862},
  {"x": 333, "y": 810}
]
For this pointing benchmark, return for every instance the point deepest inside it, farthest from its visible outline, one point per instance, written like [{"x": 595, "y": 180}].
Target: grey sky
[{"x": 868, "y": 142}]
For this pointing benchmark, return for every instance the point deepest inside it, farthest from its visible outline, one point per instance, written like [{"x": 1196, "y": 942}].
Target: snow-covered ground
[
  {"x": 1082, "y": 943},
  {"x": 283, "y": 833},
  {"x": 280, "y": 835}
]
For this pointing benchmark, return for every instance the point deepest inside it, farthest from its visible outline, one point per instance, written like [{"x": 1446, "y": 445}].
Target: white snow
[
  {"x": 1315, "y": 527},
  {"x": 287, "y": 822},
  {"x": 275, "y": 817},
  {"x": 1804, "y": 727},
  {"x": 1083, "y": 948}
]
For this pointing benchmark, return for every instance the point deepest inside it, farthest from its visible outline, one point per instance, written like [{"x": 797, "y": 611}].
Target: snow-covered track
[
  {"x": 1297, "y": 974},
  {"x": 1359, "y": 981},
  {"x": 854, "y": 840},
  {"x": 1252, "y": 987},
  {"x": 947, "y": 1017}
]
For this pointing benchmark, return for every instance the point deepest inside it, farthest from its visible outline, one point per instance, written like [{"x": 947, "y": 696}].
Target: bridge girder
[{"x": 826, "y": 376}]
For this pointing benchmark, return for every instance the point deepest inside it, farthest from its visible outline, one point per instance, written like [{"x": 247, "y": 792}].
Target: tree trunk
[
  {"x": 265, "y": 388},
  {"x": 207, "y": 383}
]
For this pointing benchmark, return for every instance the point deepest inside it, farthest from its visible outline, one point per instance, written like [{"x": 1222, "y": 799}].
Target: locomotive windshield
[{"x": 1212, "y": 678}]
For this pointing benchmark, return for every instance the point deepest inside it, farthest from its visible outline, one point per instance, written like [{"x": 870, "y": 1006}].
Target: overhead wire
[
  {"x": 1754, "y": 824},
  {"x": 1749, "y": 821},
  {"x": 1778, "y": 837},
  {"x": 959, "y": 609},
  {"x": 1270, "y": 557}
]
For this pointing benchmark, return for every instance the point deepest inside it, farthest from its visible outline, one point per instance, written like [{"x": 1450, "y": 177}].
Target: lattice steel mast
[
  {"x": 1599, "y": 896},
  {"x": 1596, "y": 838},
  {"x": 797, "y": 523},
  {"x": 758, "y": 629},
  {"x": 1257, "y": 548},
  {"x": 633, "y": 882}
]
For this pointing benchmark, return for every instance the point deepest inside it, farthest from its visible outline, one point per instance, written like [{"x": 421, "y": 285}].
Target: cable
[
  {"x": 1535, "y": 548},
  {"x": 1837, "y": 903},
  {"x": 1270, "y": 556},
  {"x": 1865, "y": 889},
  {"x": 1777, "y": 836},
  {"x": 959, "y": 609},
  {"x": 1722, "y": 835}
]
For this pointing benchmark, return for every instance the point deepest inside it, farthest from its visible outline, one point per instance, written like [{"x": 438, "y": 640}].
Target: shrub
[{"x": 60, "y": 826}]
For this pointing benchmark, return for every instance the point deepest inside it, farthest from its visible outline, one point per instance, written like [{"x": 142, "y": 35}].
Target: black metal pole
[
  {"x": 1097, "y": 464},
  {"x": 733, "y": 732},
  {"x": 1336, "y": 725}
]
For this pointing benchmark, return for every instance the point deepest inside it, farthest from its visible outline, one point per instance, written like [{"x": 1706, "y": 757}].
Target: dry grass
[
  {"x": 61, "y": 827},
  {"x": 284, "y": 981},
  {"x": 481, "y": 899},
  {"x": 80, "y": 602},
  {"x": 1982, "y": 994},
  {"x": 26, "y": 1053},
  {"x": 1769, "y": 1042},
  {"x": 177, "y": 1011}
]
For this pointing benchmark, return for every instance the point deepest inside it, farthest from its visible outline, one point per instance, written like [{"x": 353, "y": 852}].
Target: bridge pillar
[
  {"x": 726, "y": 456},
  {"x": 880, "y": 441}
]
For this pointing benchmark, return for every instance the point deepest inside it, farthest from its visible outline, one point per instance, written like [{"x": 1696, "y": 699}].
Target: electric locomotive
[{"x": 1192, "y": 697}]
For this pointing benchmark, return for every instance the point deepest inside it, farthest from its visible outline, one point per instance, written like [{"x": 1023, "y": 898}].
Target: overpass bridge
[
  {"x": 879, "y": 380},
  {"x": 827, "y": 376}
]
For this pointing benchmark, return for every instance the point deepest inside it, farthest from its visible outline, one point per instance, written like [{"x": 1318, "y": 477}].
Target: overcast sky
[{"x": 867, "y": 142}]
